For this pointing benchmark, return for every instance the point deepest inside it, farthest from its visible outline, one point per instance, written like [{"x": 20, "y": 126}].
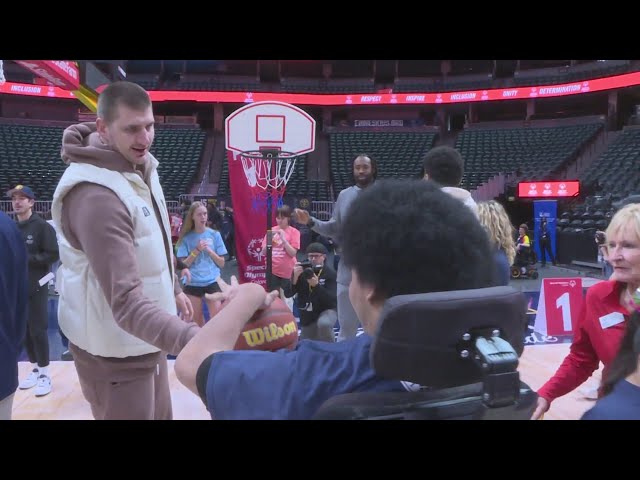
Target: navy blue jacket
[
  {"x": 502, "y": 268},
  {"x": 623, "y": 403},
  {"x": 288, "y": 384},
  {"x": 13, "y": 302}
]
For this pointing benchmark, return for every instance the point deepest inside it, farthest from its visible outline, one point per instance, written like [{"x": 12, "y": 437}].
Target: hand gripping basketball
[{"x": 272, "y": 327}]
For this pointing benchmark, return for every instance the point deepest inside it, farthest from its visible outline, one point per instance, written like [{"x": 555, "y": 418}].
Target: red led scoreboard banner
[
  {"x": 546, "y": 91},
  {"x": 562, "y": 189}
]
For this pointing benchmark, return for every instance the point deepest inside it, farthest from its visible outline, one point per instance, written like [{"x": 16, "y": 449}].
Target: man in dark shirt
[
  {"x": 315, "y": 287},
  {"x": 42, "y": 248},
  {"x": 545, "y": 243}
]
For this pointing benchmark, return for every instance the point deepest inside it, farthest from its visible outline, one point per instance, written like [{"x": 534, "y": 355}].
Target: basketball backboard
[{"x": 270, "y": 126}]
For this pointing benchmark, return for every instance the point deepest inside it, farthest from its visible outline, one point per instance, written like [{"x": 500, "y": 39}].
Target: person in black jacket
[
  {"x": 13, "y": 309},
  {"x": 315, "y": 285},
  {"x": 227, "y": 230},
  {"x": 545, "y": 243},
  {"x": 42, "y": 250}
]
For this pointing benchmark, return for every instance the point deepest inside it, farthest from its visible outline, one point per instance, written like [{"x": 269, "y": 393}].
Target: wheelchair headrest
[{"x": 429, "y": 338}]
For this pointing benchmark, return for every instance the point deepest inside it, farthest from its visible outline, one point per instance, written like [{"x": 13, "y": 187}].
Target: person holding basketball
[{"x": 293, "y": 384}]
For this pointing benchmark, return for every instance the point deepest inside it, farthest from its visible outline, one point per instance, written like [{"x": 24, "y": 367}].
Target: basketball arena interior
[{"x": 523, "y": 127}]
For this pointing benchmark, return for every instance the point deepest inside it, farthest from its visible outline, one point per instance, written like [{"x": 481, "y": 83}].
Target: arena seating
[
  {"x": 179, "y": 152},
  {"x": 31, "y": 155},
  {"x": 611, "y": 177},
  {"x": 399, "y": 154},
  {"x": 533, "y": 152},
  {"x": 616, "y": 170}
]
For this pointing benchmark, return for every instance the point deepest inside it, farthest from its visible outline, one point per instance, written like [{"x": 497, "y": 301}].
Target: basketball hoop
[
  {"x": 2, "y": 77},
  {"x": 268, "y": 138},
  {"x": 267, "y": 173}
]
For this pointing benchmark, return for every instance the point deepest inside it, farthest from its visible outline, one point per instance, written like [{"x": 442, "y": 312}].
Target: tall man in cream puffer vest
[{"x": 119, "y": 294}]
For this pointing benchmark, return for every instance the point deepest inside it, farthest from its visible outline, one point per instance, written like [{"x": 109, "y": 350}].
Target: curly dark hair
[
  {"x": 444, "y": 165},
  {"x": 407, "y": 236}
]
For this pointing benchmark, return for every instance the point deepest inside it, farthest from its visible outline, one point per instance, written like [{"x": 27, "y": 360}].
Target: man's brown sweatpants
[{"x": 130, "y": 388}]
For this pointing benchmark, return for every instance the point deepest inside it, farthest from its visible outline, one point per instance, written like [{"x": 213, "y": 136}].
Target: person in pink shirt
[{"x": 285, "y": 245}]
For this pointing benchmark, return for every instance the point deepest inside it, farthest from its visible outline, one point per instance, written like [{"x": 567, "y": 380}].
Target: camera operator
[{"x": 315, "y": 283}]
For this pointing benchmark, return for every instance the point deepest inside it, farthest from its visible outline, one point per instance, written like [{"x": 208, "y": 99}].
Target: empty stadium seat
[{"x": 31, "y": 155}]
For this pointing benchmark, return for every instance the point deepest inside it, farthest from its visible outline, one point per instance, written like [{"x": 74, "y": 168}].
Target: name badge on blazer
[{"x": 611, "y": 319}]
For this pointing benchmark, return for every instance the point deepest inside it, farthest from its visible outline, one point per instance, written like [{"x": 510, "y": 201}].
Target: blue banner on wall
[{"x": 547, "y": 209}]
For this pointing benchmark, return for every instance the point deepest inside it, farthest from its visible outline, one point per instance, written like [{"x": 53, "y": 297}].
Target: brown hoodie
[{"x": 95, "y": 221}]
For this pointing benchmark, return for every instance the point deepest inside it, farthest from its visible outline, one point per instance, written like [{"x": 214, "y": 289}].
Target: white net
[
  {"x": 267, "y": 172},
  {"x": 2, "y": 78}
]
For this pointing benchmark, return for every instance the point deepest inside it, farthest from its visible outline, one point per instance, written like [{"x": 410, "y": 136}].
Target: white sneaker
[
  {"x": 590, "y": 393},
  {"x": 44, "y": 386},
  {"x": 31, "y": 380}
]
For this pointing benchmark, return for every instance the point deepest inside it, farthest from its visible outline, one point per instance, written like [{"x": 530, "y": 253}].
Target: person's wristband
[{"x": 193, "y": 254}]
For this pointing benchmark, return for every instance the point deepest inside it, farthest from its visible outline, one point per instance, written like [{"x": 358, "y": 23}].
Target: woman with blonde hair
[
  {"x": 602, "y": 322},
  {"x": 495, "y": 220},
  {"x": 202, "y": 250}
]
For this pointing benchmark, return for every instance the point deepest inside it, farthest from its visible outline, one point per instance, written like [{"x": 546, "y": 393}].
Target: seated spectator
[
  {"x": 523, "y": 248},
  {"x": 445, "y": 244}
]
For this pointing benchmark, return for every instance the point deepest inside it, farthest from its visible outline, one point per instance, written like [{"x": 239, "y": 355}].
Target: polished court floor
[
  {"x": 537, "y": 364},
  {"x": 66, "y": 402}
]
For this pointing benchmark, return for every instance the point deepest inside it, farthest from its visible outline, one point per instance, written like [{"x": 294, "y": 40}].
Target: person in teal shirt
[{"x": 202, "y": 250}]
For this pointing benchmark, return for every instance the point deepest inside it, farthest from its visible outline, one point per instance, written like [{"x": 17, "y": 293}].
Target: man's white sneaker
[
  {"x": 31, "y": 380},
  {"x": 44, "y": 386}
]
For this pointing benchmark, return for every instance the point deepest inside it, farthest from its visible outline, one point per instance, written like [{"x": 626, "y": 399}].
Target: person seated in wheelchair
[
  {"x": 523, "y": 249},
  {"x": 428, "y": 242}
]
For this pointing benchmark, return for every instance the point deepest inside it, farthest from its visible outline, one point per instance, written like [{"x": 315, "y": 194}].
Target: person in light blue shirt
[{"x": 202, "y": 251}]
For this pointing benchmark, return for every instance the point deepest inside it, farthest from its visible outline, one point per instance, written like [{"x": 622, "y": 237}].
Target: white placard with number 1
[{"x": 559, "y": 304}]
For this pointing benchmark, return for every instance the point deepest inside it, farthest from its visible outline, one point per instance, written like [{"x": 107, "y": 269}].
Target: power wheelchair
[
  {"x": 525, "y": 258},
  {"x": 464, "y": 345}
]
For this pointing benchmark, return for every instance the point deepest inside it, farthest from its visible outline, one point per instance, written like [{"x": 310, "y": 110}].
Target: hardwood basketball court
[{"x": 66, "y": 402}]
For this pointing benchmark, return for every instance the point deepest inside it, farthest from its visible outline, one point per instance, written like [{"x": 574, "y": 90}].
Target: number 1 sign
[{"x": 559, "y": 305}]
